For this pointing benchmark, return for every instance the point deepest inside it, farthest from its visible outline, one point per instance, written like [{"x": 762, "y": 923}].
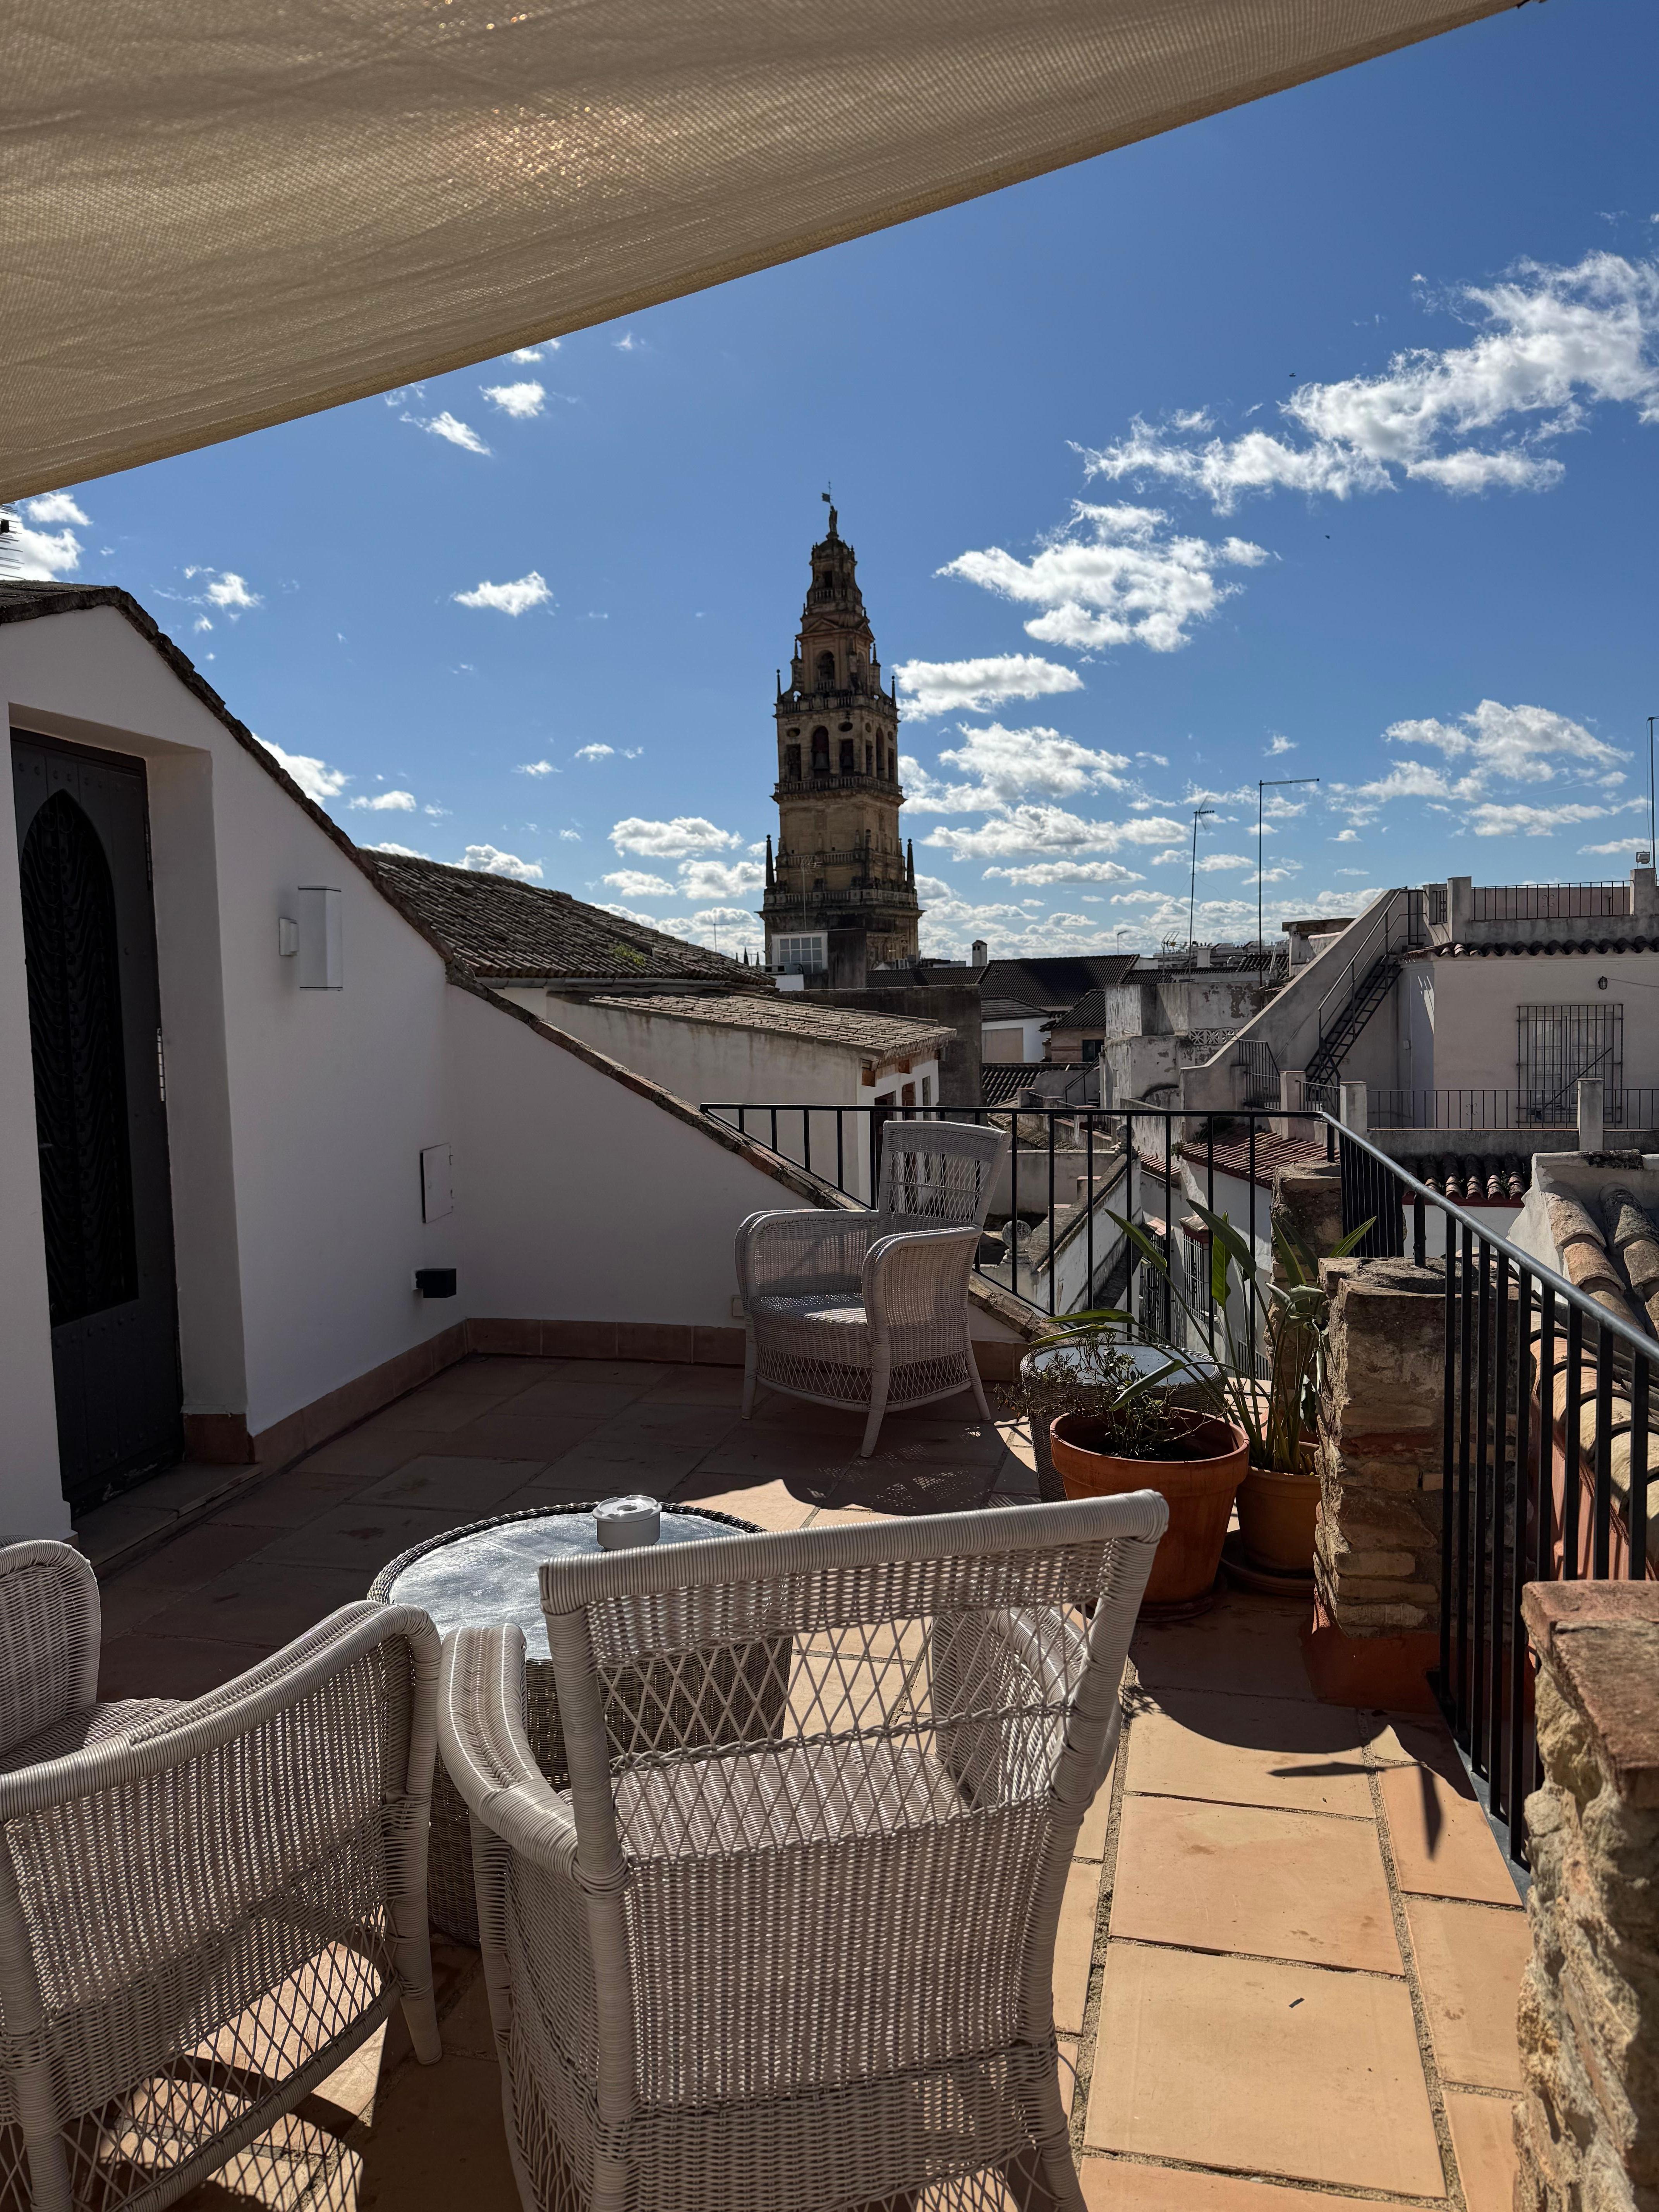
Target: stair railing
[{"x": 1396, "y": 925}]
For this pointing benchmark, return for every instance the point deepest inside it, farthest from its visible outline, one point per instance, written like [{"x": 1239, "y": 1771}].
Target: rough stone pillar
[
  {"x": 1374, "y": 1633},
  {"x": 1592, "y": 1125},
  {"x": 1587, "y": 2129},
  {"x": 1308, "y": 1202}
]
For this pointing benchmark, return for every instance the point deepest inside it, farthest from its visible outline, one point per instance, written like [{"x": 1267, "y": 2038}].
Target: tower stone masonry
[{"x": 841, "y": 893}]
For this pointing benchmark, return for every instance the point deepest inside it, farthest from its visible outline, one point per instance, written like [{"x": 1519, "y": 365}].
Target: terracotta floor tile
[
  {"x": 1266, "y": 2069},
  {"x": 509, "y": 1435},
  {"x": 266, "y": 1602},
  {"x": 371, "y": 1450},
  {"x": 1443, "y": 1845},
  {"x": 1469, "y": 1961},
  {"x": 361, "y": 1534},
  {"x": 573, "y": 1402},
  {"x": 287, "y": 1500},
  {"x": 438, "y": 2142},
  {"x": 1092, "y": 1836},
  {"x": 655, "y": 1470},
  {"x": 1411, "y": 1740},
  {"x": 697, "y": 1386},
  {"x": 768, "y": 1504},
  {"x": 1483, "y": 2138},
  {"x": 1121, "y": 2185},
  {"x": 1242, "y": 1645},
  {"x": 431, "y": 1407},
  {"x": 1246, "y": 1878},
  {"x": 1251, "y": 1751},
  {"x": 471, "y": 1489},
  {"x": 146, "y": 1665},
  {"x": 197, "y": 1555},
  {"x": 127, "y": 1601},
  {"x": 1074, "y": 1945}
]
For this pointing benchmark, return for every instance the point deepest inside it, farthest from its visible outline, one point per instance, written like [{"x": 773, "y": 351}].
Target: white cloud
[
  {"x": 56, "y": 506},
  {"x": 485, "y": 860},
  {"x": 1003, "y": 765},
  {"x": 1492, "y": 821},
  {"x": 315, "y": 778},
  {"x": 37, "y": 556},
  {"x": 1556, "y": 342},
  {"x": 955, "y": 687},
  {"x": 229, "y": 591},
  {"x": 536, "y": 768},
  {"x": 531, "y": 590},
  {"x": 629, "y": 344},
  {"x": 595, "y": 752},
  {"x": 1624, "y": 845},
  {"x": 535, "y": 352},
  {"x": 669, "y": 841},
  {"x": 1278, "y": 745},
  {"x": 201, "y": 623},
  {"x": 1038, "y": 829},
  {"x": 388, "y": 802},
  {"x": 405, "y": 852},
  {"x": 1524, "y": 744},
  {"x": 1114, "y": 575},
  {"x": 570, "y": 836},
  {"x": 520, "y": 401},
  {"x": 1212, "y": 864},
  {"x": 634, "y": 882},
  {"x": 720, "y": 880},
  {"x": 447, "y": 426},
  {"x": 1069, "y": 872}
]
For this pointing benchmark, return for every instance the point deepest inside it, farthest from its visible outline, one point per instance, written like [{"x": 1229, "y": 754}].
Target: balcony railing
[
  {"x": 1504, "y": 1108},
  {"x": 1547, "y": 901},
  {"x": 1547, "y": 1398}
]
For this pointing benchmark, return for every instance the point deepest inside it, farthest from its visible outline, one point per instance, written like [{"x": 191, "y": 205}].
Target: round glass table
[{"x": 487, "y": 1572}]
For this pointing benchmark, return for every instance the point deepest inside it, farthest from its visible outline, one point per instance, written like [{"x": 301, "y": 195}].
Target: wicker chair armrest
[
  {"x": 803, "y": 1250},
  {"x": 185, "y": 1732},
  {"x": 49, "y": 1617},
  {"x": 486, "y": 1752},
  {"x": 918, "y": 1275}
]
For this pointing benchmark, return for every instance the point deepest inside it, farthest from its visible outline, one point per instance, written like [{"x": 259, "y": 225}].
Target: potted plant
[
  {"x": 1139, "y": 1438},
  {"x": 1277, "y": 1410},
  {"x": 1081, "y": 1368}
]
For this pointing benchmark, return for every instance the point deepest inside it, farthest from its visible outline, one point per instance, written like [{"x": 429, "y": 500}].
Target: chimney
[{"x": 981, "y": 952}]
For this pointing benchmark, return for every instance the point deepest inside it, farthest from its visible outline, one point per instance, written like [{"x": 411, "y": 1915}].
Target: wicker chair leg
[
  {"x": 878, "y": 1381},
  {"x": 976, "y": 1384},
  {"x": 750, "y": 1364}
]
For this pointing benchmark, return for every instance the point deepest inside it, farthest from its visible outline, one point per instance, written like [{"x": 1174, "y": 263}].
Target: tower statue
[{"x": 840, "y": 892}]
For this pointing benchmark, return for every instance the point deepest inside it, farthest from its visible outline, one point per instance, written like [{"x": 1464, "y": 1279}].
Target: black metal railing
[
  {"x": 1545, "y": 1399},
  {"x": 1547, "y": 901},
  {"x": 1505, "y": 1108}
]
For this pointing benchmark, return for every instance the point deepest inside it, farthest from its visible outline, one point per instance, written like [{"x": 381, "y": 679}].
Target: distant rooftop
[
  {"x": 1052, "y": 985},
  {"x": 500, "y": 929},
  {"x": 886, "y": 1036}
]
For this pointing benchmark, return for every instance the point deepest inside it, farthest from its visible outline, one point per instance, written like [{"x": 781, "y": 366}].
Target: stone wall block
[{"x": 1587, "y": 2129}]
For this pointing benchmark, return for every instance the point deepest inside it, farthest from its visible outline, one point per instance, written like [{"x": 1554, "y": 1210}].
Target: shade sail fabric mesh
[{"x": 216, "y": 214}]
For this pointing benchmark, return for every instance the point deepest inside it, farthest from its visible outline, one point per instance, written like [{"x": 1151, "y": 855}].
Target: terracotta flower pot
[
  {"x": 1182, "y": 1389},
  {"x": 1277, "y": 1516},
  {"x": 1199, "y": 1492}
]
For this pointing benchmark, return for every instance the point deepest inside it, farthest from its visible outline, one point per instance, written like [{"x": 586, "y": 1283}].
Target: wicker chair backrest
[
  {"x": 936, "y": 1174},
  {"x": 826, "y": 1787},
  {"x": 48, "y": 1637}
]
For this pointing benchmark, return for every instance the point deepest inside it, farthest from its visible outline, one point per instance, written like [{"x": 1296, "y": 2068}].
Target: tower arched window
[
  {"x": 791, "y": 762},
  {"x": 847, "y": 765},
  {"x": 826, "y": 666},
  {"x": 820, "y": 751}
]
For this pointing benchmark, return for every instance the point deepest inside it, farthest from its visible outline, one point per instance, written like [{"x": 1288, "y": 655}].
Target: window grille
[{"x": 1558, "y": 1045}]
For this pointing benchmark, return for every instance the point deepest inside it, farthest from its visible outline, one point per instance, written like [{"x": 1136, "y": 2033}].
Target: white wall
[
  {"x": 1473, "y": 1005},
  {"x": 1002, "y": 1042}
]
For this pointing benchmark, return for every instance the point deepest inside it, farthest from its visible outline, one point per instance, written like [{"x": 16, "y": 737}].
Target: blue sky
[{"x": 1317, "y": 439}]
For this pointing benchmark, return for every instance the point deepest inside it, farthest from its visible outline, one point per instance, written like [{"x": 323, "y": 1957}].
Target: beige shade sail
[{"x": 216, "y": 214}]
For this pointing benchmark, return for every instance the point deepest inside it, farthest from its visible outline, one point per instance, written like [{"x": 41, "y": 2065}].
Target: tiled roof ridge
[
  {"x": 786, "y": 1015},
  {"x": 1604, "y": 946},
  {"x": 1475, "y": 1178}
]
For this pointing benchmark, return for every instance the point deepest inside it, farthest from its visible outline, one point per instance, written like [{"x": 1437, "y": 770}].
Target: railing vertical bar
[
  {"x": 1497, "y": 1673},
  {"x": 1543, "y": 1368},
  {"x": 1013, "y": 1207},
  {"x": 1169, "y": 1219},
  {"x": 1520, "y": 1779},
  {"x": 806, "y": 1139},
  {"x": 841, "y": 1159},
  {"x": 1602, "y": 1523},
  {"x": 1570, "y": 1477},
  {"x": 1252, "y": 1296},
  {"x": 1477, "y": 1751},
  {"x": 1089, "y": 1217},
  {"x": 1448, "y": 1473},
  {"x": 1465, "y": 1377},
  {"x": 1209, "y": 1200},
  {"x": 775, "y": 1128},
  {"x": 1419, "y": 1232},
  {"x": 1637, "y": 1531},
  {"x": 1052, "y": 1268}
]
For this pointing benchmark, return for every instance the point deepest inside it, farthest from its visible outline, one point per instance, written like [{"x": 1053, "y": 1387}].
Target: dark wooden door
[{"x": 101, "y": 1113}]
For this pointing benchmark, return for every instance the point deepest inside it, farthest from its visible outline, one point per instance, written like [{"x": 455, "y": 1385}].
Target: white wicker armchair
[
  {"x": 204, "y": 1907},
  {"x": 871, "y": 1308},
  {"x": 808, "y": 1967}
]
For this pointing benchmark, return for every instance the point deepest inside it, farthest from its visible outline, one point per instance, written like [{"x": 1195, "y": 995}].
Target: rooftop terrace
[{"x": 1288, "y": 1960}]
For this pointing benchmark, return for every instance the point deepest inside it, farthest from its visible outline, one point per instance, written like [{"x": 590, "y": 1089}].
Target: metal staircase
[{"x": 1364, "y": 981}]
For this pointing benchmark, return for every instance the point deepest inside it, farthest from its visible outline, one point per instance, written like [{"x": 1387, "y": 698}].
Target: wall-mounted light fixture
[
  {"x": 287, "y": 936},
  {"x": 321, "y": 938}
]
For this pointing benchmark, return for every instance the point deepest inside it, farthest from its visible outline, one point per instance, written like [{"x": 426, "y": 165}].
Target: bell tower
[{"x": 841, "y": 891}]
